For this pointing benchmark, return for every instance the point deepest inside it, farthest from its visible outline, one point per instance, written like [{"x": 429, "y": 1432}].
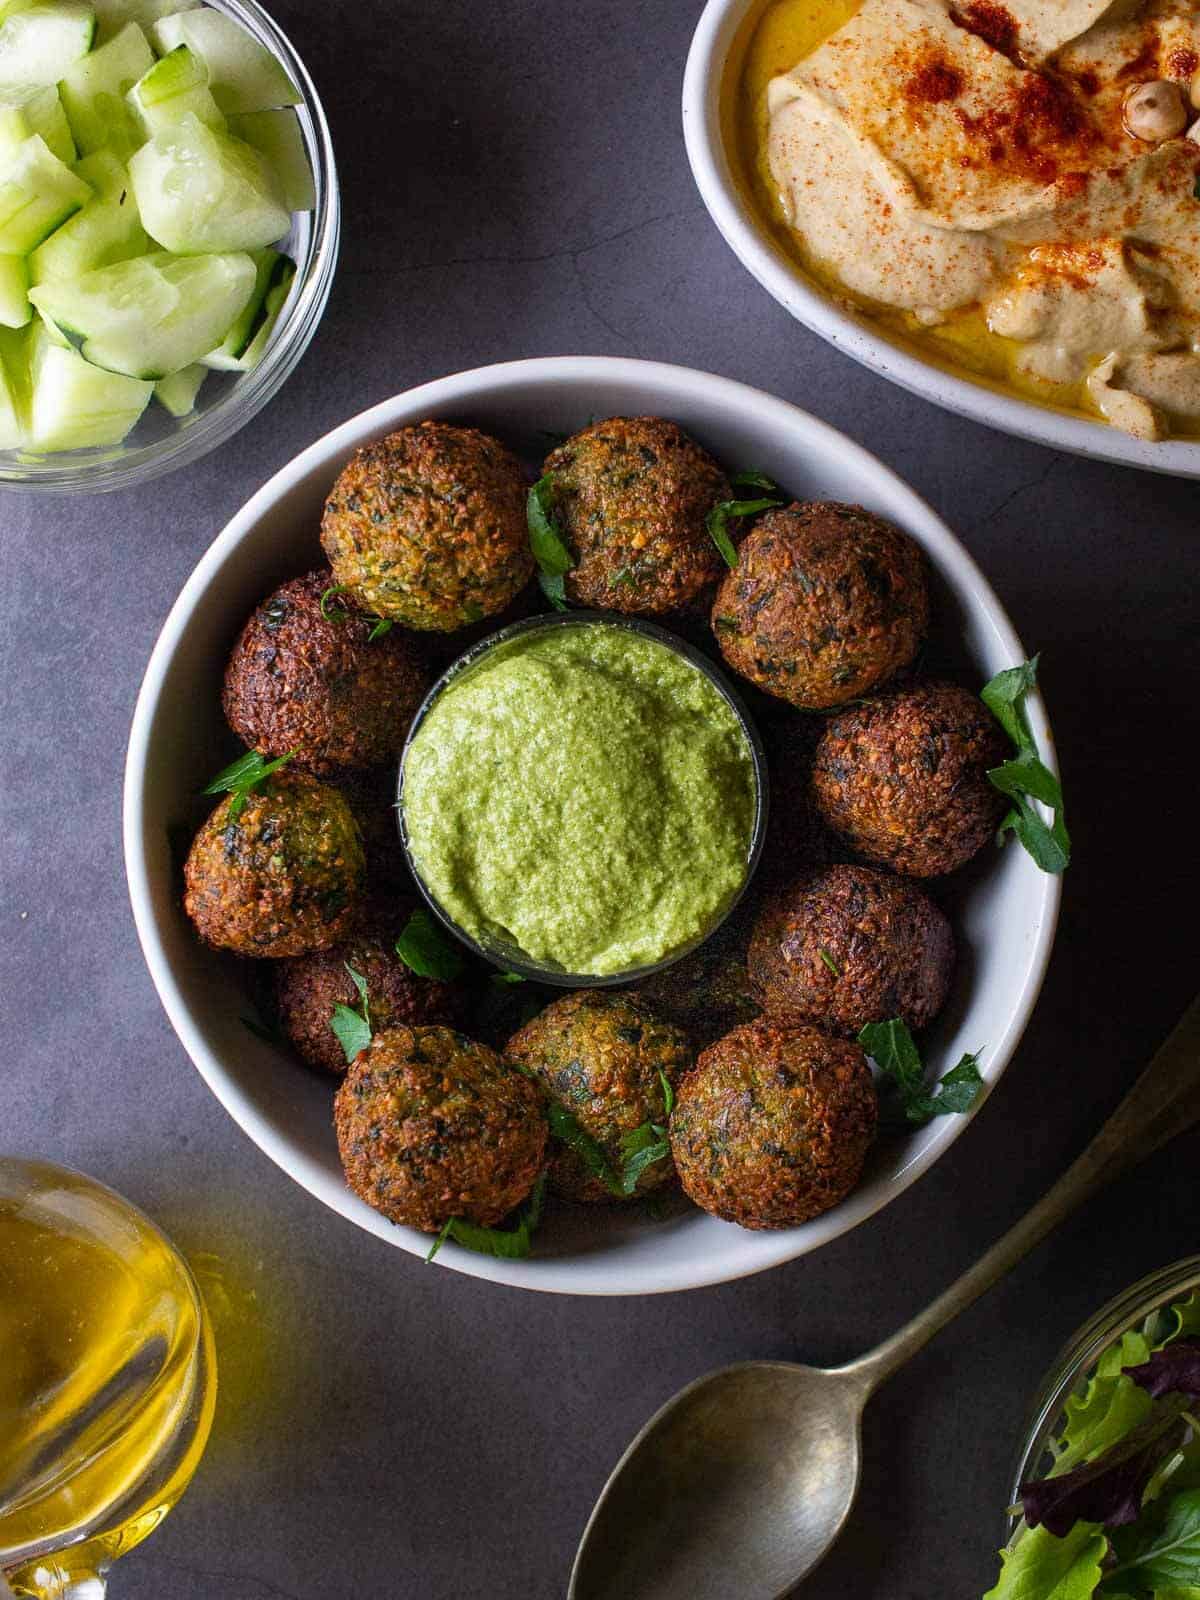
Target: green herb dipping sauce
[{"x": 585, "y": 793}]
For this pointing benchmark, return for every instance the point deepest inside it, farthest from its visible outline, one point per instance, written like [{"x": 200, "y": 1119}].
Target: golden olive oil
[{"x": 107, "y": 1381}]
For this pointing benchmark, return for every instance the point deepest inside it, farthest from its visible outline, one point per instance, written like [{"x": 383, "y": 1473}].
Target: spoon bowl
[{"x": 758, "y": 1461}]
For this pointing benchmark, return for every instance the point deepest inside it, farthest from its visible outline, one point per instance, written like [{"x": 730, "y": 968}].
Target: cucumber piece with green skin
[
  {"x": 178, "y": 391},
  {"x": 94, "y": 89},
  {"x": 39, "y": 111},
  {"x": 151, "y": 316},
  {"x": 174, "y": 87},
  {"x": 267, "y": 267},
  {"x": 15, "y": 310},
  {"x": 38, "y": 192},
  {"x": 40, "y": 42},
  {"x": 242, "y": 74},
  {"x": 227, "y": 357},
  {"x": 112, "y": 15},
  {"x": 276, "y": 136},
  {"x": 74, "y": 405},
  {"x": 14, "y": 388},
  {"x": 105, "y": 230},
  {"x": 200, "y": 190}
]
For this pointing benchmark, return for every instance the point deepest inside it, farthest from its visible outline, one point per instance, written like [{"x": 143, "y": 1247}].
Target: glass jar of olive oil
[{"x": 107, "y": 1380}]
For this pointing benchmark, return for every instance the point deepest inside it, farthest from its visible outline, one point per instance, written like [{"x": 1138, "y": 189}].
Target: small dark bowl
[{"x": 510, "y": 957}]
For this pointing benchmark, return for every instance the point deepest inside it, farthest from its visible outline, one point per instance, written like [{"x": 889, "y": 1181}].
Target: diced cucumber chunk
[
  {"x": 105, "y": 230},
  {"x": 39, "y": 111},
  {"x": 14, "y": 388},
  {"x": 112, "y": 15},
  {"x": 242, "y": 74},
  {"x": 153, "y": 315},
  {"x": 94, "y": 89},
  {"x": 276, "y": 136},
  {"x": 200, "y": 190},
  {"x": 271, "y": 270},
  {"x": 74, "y": 405},
  {"x": 178, "y": 391},
  {"x": 37, "y": 193},
  {"x": 15, "y": 310},
  {"x": 173, "y": 88},
  {"x": 40, "y": 42}
]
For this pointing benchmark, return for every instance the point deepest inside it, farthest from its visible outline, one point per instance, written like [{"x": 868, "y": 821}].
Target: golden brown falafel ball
[
  {"x": 826, "y": 602},
  {"x": 431, "y": 1125},
  {"x": 842, "y": 946},
  {"x": 427, "y": 527},
  {"x": 632, "y": 495},
  {"x": 307, "y": 988},
  {"x": 599, "y": 1053},
  {"x": 297, "y": 681},
  {"x": 283, "y": 877},
  {"x": 903, "y": 778},
  {"x": 773, "y": 1126}
]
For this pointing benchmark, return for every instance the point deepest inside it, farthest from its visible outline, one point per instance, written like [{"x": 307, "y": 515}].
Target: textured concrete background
[{"x": 515, "y": 184}]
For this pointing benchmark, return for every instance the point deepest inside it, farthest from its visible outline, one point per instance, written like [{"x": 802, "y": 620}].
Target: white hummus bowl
[
  {"x": 707, "y": 64},
  {"x": 1004, "y": 914}
]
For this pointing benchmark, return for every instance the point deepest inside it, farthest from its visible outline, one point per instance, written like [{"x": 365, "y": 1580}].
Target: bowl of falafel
[{"x": 594, "y": 827}]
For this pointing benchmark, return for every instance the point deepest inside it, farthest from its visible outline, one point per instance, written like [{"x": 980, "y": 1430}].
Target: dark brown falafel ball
[
  {"x": 431, "y": 1125},
  {"x": 903, "y": 778},
  {"x": 283, "y": 877},
  {"x": 708, "y": 991},
  {"x": 773, "y": 1126},
  {"x": 307, "y": 988},
  {"x": 842, "y": 946},
  {"x": 632, "y": 495},
  {"x": 826, "y": 603},
  {"x": 371, "y": 797},
  {"x": 599, "y": 1053},
  {"x": 427, "y": 527},
  {"x": 297, "y": 681}
]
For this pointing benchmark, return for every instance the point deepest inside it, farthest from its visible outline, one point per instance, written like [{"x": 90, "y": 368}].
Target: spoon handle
[{"x": 1164, "y": 1101}]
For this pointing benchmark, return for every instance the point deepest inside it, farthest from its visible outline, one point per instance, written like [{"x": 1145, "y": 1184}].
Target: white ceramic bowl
[
  {"x": 1005, "y": 916},
  {"x": 708, "y": 61}
]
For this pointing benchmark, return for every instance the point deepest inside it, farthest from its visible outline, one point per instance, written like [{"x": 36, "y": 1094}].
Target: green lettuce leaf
[
  {"x": 1040, "y": 1567},
  {"x": 1111, "y": 1406},
  {"x": 1165, "y": 1555}
]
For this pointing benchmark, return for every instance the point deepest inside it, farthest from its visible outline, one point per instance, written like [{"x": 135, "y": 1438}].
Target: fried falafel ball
[
  {"x": 903, "y": 778},
  {"x": 307, "y": 988},
  {"x": 632, "y": 495},
  {"x": 773, "y": 1126},
  {"x": 826, "y": 602},
  {"x": 842, "y": 946},
  {"x": 427, "y": 527},
  {"x": 431, "y": 1125},
  {"x": 708, "y": 991},
  {"x": 600, "y": 1053},
  {"x": 280, "y": 875},
  {"x": 299, "y": 682}
]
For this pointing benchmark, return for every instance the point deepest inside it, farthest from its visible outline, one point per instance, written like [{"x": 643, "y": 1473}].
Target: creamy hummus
[{"x": 963, "y": 160}]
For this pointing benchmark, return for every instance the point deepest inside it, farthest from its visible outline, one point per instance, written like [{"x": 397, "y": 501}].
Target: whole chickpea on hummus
[{"x": 1012, "y": 187}]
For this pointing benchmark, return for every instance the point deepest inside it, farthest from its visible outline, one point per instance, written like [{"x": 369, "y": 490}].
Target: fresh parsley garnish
[
  {"x": 894, "y": 1051},
  {"x": 717, "y": 521},
  {"x": 263, "y": 1031},
  {"x": 511, "y": 1243},
  {"x": 647, "y": 1144},
  {"x": 565, "y": 1128},
  {"x": 426, "y": 950},
  {"x": 241, "y": 777},
  {"x": 502, "y": 980},
  {"x": 1026, "y": 777},
  {"x": 829, "y": 961},
  {"x": 549, "y": 551},
  {"x": 341, "y": 614},
  {"x": 353, "y": 1028}
]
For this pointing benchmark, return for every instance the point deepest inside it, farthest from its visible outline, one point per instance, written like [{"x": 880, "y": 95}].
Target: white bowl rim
[
  {"x": 702, "y": 80},
  {"x": 567, "y": 1275}
]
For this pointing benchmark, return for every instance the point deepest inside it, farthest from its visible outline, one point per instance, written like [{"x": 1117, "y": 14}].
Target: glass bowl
[
  {"x": 509, "y": 956},
  {"x": 159, "y": 442},
  {"x": 1135, "y": 1307}
]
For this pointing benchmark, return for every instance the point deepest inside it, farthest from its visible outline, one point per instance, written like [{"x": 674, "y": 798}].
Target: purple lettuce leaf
[
  {"x": 1175, "y": 1369},
  {"x": 1108, "y": 1490}
]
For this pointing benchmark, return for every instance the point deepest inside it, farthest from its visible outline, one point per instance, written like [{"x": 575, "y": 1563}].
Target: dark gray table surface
[{"x": 515, "y": 184}]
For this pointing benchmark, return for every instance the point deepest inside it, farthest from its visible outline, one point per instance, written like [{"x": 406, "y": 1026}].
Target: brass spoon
[{"x": 742, "y": 1482}]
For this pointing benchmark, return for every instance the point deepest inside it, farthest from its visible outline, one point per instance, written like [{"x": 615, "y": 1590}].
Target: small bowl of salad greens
[
  {"x": 1107, "y": 1494},
  {"x": 169, "y": 221}
]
